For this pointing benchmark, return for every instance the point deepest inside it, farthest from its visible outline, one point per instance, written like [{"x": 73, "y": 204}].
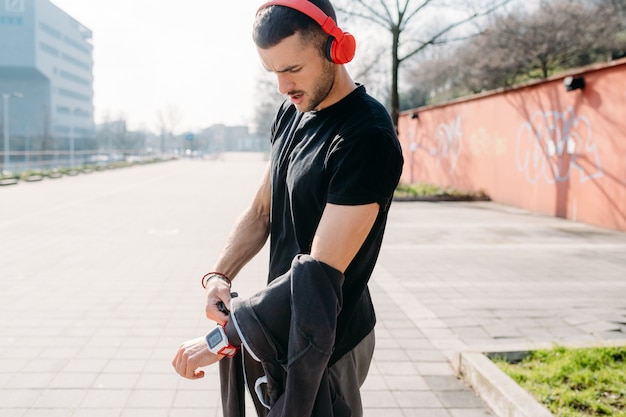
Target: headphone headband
[
  {"x": 341, "y": 47},
  {"x": 308, "y": 8}
]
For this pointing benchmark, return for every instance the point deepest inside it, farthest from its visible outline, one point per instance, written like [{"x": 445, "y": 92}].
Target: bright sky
[{"x": 150, "y": 56}]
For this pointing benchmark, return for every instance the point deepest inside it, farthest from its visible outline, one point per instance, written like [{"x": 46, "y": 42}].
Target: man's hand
[
  {"x": 192, "y": 355},
  {"x": 217, "y": 290}
]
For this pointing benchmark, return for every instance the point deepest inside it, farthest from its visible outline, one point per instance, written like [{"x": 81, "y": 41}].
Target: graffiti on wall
[
  {"x": 552, "y": 144},
  {"x": 482, "y": 143},
  {"x": 448, "y": 142}
]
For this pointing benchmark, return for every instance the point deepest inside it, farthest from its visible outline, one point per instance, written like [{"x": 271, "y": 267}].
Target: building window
[
  {"x": 75, "y": 78},
  {"x": 49, "y": 49},
  {"x": 74, "y": 95},
  {"x": 77, "y": 46},
  {"x": 76, "y": 62},
  {"x": 49, "y": 30},
  {"x": 14, "y": 6},
  {"x": 11, "y": 20}
]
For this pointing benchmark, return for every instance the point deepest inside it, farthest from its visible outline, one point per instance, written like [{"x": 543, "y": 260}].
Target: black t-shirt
[{"x": 345, "y": 154}]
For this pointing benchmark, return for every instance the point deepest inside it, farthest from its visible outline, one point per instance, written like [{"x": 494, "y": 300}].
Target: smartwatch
[{"x": 218, "y": 343}]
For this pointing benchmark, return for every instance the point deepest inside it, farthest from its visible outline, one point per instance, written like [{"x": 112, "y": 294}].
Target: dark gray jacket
[{"x": 289, "y": 327}]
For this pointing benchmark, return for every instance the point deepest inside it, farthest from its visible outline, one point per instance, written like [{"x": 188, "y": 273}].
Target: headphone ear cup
[
  {"x": 341, "y": 52},
  {"x": 328, "y": 50}
]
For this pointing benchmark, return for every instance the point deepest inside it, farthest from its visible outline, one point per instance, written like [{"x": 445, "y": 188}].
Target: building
[
  {"x": 46, "y": 57},
  {"x": 220, "y": 138}
]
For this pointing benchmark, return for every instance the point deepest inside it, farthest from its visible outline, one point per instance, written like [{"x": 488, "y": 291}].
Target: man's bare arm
[
  {"x": 341, "y": 233},
  {"x": 245, "y": 240}
]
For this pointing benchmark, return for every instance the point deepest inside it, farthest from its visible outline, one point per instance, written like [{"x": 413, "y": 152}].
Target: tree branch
[
  {"x": 434, "y": 39},
  {"x": 416, "y": 11},
  {"x": 373, "y": 15}
]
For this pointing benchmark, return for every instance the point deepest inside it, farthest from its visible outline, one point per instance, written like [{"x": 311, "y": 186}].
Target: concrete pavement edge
[{"x": 503, "y": 395}]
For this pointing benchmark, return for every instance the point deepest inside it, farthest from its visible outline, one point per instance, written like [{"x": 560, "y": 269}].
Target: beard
[{"x": 321, "y": 89}]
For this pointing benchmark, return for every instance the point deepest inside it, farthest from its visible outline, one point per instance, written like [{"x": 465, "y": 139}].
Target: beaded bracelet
[{"x": 209, "y": 275}]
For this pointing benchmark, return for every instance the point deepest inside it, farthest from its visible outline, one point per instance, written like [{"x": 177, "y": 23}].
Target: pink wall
[{"x": 537, "y": 147}]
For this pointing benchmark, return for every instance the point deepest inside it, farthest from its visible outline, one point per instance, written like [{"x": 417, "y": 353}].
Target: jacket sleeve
[{"x": 293, "y": 321}]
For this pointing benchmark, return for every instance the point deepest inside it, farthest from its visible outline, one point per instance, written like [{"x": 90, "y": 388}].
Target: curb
[
  {"x": 440, "y": 199},
  {"x": 498, "y": 390},
  {"x": 503, "y": 395},
  {"x": 8, "y": 181}
]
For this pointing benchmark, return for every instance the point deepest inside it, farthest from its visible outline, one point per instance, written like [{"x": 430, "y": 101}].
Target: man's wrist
[
  {"x": 219, "y": 344},
  {"x": 217, "y": 275}
]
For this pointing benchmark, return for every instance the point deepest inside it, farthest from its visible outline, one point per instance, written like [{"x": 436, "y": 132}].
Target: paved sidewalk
[{"x": 100, "y": 283}]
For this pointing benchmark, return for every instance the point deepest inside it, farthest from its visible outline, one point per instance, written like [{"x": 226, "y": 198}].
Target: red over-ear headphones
[{"x": 341, "y": 45}]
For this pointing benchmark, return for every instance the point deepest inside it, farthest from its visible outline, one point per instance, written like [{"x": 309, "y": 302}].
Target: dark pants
[
  {"x": 349, "y": 373},
  {"x": 347, "y": 376}
]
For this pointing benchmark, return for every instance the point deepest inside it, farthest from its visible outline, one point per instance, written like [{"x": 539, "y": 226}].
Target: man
[{"x": 307, "y": 339}]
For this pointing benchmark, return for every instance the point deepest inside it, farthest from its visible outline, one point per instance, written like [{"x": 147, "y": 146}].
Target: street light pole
[
  {"x": 72, "y": 138},
  {"x": 5, "y": 124},
  {"x": 5, "y": 108},
  {"x": 71, "y": 145}
]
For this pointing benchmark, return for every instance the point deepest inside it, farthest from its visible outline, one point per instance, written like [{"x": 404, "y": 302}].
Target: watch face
[{"x": 214, "y": 338}]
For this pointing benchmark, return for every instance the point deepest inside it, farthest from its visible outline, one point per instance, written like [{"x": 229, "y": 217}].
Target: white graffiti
[
  {"x": 448, "y": 142},
  {"x": 550, "y": 144}
]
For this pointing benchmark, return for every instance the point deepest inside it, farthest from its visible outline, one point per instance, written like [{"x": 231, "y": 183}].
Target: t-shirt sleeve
[{"x": 364, "y": 168}]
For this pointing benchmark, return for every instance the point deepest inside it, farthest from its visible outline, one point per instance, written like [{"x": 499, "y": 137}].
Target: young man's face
[{"x": 303, "y": 73}]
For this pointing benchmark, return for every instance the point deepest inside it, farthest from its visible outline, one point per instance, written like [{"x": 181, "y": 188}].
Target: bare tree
[
  {"x": 370, "y": 69},
  {"x": 168, "y": 121},
  {"x": 616, "y": 9},
  {"x": 526, "y": 45},
  {"x": 489, "y": 61},
  {"x": 119, "y": 134},
  {"x": 267, "y": 100},
  {"x": 545, "y": 39},
  {"x": 557, "y": 36},
  {"x": 439, "y": 77},
  {"x": 415, "y": 25}
]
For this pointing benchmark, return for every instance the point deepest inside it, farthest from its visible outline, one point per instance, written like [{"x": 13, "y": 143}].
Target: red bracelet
[{"x": 221, "y": 276}]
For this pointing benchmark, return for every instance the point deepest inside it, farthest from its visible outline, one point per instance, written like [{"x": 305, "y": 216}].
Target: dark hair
[{"x": 275, "y": 23}]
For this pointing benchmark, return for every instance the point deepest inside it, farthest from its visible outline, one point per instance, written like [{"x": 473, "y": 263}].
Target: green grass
[
  {"x": 574, "y": 382},
  {"x": 434, "y": 191}
]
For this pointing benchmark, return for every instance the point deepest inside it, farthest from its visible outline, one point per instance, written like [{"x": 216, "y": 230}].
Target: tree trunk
[{"x": 395, "y": 66}]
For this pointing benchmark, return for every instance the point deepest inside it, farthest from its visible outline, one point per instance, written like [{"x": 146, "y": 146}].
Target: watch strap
[{"x": 229, "y": 350}]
